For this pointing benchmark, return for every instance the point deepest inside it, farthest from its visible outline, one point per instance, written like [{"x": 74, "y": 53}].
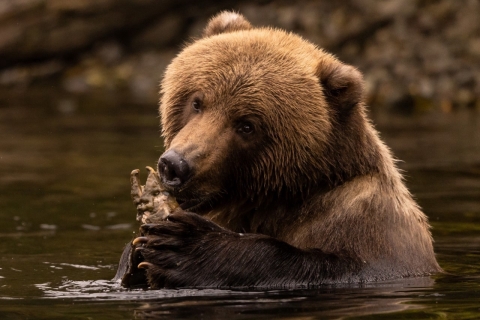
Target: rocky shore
[{"x": 416, "y": 55}]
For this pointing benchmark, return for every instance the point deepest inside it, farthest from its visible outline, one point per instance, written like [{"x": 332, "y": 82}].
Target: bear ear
[
  {"x": 226, "y": 21},
  {"x": 342, "y": 85}
]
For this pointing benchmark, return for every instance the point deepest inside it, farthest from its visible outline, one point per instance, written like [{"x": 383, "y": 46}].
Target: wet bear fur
[{"x": 288, "y": 182}]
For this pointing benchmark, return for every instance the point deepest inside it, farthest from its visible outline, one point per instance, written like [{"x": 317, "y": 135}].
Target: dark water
[{"x": 65, "y": 215}]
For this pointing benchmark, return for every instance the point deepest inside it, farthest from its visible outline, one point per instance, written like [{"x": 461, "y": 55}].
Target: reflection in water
[
  {"x": 65, "y": 215},
  {"x": 327, "y": 302},
  {"x": 297, "y": 304}
]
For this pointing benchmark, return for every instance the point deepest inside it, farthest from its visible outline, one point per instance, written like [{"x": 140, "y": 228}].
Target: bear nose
[{"x": 173, "y": 169}]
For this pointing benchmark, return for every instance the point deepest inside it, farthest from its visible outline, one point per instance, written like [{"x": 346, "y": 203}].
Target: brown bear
[{"x": 281, "y": 178}]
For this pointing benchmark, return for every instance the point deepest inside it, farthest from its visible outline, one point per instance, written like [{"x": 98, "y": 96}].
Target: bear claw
[
  {"x": 144, "y": 265},
  {"x": 139, "y": 240}
]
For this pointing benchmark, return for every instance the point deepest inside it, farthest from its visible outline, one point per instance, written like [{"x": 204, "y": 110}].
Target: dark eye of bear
[
  {"x": 245, "y": 128},
  {"x": 197, "y": 105}
]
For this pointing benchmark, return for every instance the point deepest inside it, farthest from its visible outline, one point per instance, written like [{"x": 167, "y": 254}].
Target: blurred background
[
  {"x": 79, "y": 82},
  {"x": 421, "y": 54}
]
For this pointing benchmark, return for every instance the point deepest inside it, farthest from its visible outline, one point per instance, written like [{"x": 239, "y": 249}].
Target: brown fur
[
  {"x": 313, "y": 175},
  {"x": 226, "y": 22}
]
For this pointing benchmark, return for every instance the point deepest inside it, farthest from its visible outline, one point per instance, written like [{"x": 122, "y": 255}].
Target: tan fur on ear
[
  {"x": 226, "y": 21},
  {"x": 342, "y": 84}
]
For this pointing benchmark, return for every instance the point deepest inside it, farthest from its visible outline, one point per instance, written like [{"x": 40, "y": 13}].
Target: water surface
[{"x": 65, "y": 215}]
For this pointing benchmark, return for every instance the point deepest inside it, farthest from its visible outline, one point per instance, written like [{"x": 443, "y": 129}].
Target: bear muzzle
[{"x": 174, "y": 170}]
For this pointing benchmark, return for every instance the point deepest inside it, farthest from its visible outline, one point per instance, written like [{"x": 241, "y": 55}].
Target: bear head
[{"x": 257, "y": 114}]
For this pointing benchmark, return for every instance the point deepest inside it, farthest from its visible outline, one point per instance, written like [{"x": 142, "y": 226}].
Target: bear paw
[{"x": 176, "y": 252}]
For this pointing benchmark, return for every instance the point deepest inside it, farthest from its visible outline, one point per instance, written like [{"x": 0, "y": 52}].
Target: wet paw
[
  {"x": 134, "y": 277},
  {"x": 172, "y": 253}
]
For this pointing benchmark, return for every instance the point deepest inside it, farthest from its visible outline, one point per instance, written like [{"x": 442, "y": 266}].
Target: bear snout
[{"x": 173, "y": 169}]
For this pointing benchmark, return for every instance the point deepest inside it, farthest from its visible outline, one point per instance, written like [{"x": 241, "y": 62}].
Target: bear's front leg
[{"x": 188, "y": 250}]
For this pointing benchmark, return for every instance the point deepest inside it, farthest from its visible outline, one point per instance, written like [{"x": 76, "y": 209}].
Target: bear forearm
[
  {"x": 276, "y": 264},
  {"x": 212, "y": 257}
]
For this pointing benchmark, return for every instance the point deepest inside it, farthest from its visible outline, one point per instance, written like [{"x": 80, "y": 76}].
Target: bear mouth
[{"x": 192, "y": 201}]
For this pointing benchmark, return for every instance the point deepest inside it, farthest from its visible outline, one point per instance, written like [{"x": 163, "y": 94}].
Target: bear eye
[
  {"x": 246, "y": 128},
  {"x": 197, "y": 105}
]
